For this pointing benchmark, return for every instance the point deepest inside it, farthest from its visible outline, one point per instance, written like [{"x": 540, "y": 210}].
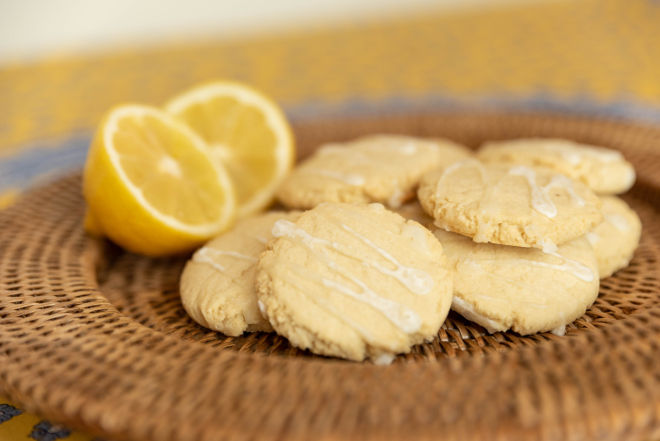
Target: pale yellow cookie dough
[
  {"x": 603, "y": 170},
  {"x": 616, "y": 238},
  {"x": 524, "y": 289},
  {"x": 509, "y": 205},
  {"x": 217, "y": 284},
  {"x": 354, "y": 281},
  {"x": 378, "y": 168}
]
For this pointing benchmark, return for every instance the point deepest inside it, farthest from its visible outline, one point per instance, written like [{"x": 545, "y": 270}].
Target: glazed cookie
[
  {"x": 379, "y": 168},
  {"x": 509, "y": 205},
  {"x": 217, "y": 284},
  {"x": 523, "y": 289},
  {"x": 354, "y": 281},
  {"x": 616, "y": 238},
  {"x": 603, "y": 170}
]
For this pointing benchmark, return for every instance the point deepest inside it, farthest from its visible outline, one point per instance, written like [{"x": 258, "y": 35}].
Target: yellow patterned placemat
[
  {"x": 583, "y": 56},
  {"x": 18, "y": 425},
  {"x": 582, "y": 52},
  {"x": 586, "y": 56}
]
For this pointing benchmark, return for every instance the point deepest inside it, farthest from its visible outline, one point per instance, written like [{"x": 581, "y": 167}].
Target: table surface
[{"x": 596, "y": 57}]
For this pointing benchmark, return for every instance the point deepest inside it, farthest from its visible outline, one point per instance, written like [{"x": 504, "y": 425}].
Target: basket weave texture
[{"x": 97, "y": 339}]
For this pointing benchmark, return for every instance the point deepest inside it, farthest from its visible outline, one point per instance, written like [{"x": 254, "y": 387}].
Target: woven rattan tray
[{"x": 96, "y": 338}]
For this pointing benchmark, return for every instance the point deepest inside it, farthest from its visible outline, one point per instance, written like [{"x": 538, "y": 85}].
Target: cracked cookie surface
[
  {"x": 524, "y": 289},
  {"x": 603, "y": 170},
  {"x": 354, "y": 281},
  {"x": 217, "y": 285},
  {"x": 616, "y": 238},
  {"x": 509, "y": 205},
  {"x": 377, "y": 168}
]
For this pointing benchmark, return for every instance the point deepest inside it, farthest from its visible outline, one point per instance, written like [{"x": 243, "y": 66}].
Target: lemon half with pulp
[
  {"x": 247, "y": 133},
  {"x": 151, "y": 184}
]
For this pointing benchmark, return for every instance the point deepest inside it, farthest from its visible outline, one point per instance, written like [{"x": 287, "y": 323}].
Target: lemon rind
[
  {"x": 224, "y": 180},
  {"x": 276, "y": 120}
]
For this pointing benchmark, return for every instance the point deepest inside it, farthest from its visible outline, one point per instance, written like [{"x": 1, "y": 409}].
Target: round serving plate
[{"x": 96, "y": 338}]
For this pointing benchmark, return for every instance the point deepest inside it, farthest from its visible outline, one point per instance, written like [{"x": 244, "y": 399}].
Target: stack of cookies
[{"x": 514, "y": 237}]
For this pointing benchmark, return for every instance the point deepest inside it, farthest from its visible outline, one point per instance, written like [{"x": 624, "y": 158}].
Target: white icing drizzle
[
  {"x": 206, "y": 255},
  {"x": 541, "y": 202},
  {"x": 417, "y": 234},
  {"x": 416, "y": 280},
  {"x": 559, "y": 330},
  {"x": 574, "y": 267},
  {"x": 630, "y": 177},
  {"x": 262, "y": 308},
  {"x": 455, "y": 166},
  {"x": 467, "y": 310},
  {"x": 451, "y": 169},
  {"x": 236, "y": 255},
  {"x": 483, "y": 233},
  {"x": 347, "y": 178},
  {"x": 285, "y": 228},
  {"x": 407, "y": 149},
  {"x": 261, "y": 239},
  {"x": 548, "y": 246},
  {"x": 363, "y": 155},
  {"x": 404, "y": 318},
  {"x": 202, "y": 256},
  {"x": 570, "y": 156},
  {"x": 574, "y": 157},
  {"x": 617, "y": 221},
  {"x": 305, "y": 274},
  {"x": 592, "y": 237},
  {"x": 565, "y": 183},
  {"x": 233, "y": 254},
  {"x": 383, "y": 359},
  {"x": 396, "y": 199}
]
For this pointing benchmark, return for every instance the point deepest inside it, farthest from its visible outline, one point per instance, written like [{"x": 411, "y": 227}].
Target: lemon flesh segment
[
  {"x": 176, "y": 179},
  {"x": 151, "y": 184},
  {"x": 246, "y": 132}
]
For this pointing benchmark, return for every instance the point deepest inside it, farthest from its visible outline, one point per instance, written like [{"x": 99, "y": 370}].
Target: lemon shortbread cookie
[
  {"x": 603, "y": 170},
  {"x": 509, "y": 205},
  {"x": 354, "y": 281},
  {"x": 379, "y": 168},
  {"x": 217, "y": 284},
  {"x": 502, "y": 287},
  {"x": 616, "y": 238}
]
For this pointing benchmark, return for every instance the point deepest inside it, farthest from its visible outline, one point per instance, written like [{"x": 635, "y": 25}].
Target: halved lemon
[
  {"x": 246, "y": 131},
  {"x": 151, "y": 185}
]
